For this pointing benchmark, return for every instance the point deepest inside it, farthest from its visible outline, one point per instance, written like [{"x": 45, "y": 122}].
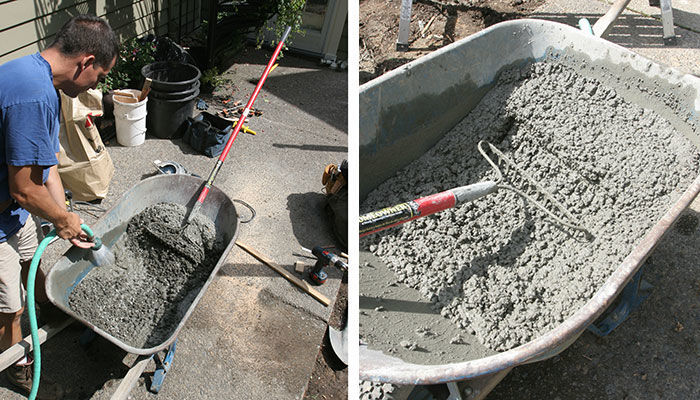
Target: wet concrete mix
[
  {"x": 499, "y": 269},
  {"x": 159, "y": 269}
]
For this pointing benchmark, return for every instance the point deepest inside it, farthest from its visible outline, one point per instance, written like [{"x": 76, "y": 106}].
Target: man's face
[{"x": 87, "y": 77}]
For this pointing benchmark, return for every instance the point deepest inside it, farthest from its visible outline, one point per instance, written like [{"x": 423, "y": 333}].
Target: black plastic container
[
  {"x": 166, "y": 117},
  {"x": 174, "y": 95},
  {"x": 174, "y": 88},
  {"x": 170, "y": 76}
]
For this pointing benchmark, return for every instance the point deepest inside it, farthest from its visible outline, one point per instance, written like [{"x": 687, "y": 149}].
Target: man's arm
[
  {"x": 55, "y": 186},
  {"x": 27, "y": 188}
]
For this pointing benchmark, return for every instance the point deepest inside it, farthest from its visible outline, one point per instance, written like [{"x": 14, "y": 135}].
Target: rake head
[{"x": 523, "y": 184}]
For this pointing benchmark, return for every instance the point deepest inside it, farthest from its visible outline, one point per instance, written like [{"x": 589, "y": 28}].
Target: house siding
[{"x": 28, "y": 26}]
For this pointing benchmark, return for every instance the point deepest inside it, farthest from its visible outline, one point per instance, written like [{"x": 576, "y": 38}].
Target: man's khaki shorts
[{"x": 20, "y": 247}]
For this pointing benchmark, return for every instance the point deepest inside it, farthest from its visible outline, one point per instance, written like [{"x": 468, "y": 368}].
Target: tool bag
[
  {"x": 335, "y": 178},
  {"x": 84, "y": 164},
  {"x": 207, "y": 133}
]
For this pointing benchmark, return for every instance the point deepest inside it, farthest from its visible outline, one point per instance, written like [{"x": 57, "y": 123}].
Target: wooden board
[
  {"x": 19, "y": 350},
  {"x": 303, "y": 285}
]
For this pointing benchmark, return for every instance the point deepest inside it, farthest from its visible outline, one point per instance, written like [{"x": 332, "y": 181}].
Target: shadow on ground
[
  {"x": 634, "y": 30},
  {"x": 310, "y": 223},
  {"x": 64, "y": 358},
  {"x": 297, "y": 88}
]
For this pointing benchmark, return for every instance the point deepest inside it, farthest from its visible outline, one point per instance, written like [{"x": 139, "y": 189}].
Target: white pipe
[
  {"x": 404, "y": 25},
  {"x": 605, "y": 22}
]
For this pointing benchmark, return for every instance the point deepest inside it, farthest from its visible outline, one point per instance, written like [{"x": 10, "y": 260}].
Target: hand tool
[
  {"x": 125, "y": 99},
  {"x": 344, "y": 255},
  {"x": 520, "y": 182},
  {"x": 339, "y": 342},
  {"x": 69, "y": 199},
  {"x": 239, "y": 125},
  {"x": 324, "y": 258},
  {"x": 244, "y": 128},
  {"x": 176, "y": 239},
  {"x": 124, "y": 94},
  {"x": 145, "y": 89}
]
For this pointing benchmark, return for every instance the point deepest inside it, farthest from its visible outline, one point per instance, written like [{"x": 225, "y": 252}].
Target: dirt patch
[
  {"x": 434, "y": 24},
  {"x": 143, "y": 296},
  {"x": 499, "y": 268}
]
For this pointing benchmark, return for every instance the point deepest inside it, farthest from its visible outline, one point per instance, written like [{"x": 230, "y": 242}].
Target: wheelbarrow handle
[{"x": 385, "y": 218}]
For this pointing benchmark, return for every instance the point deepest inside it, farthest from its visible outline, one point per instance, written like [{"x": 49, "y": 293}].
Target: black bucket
[
  {"x": 166, "y": 117},
  {"x": 174, "y": 95},
  {"x": 174, "y": 88},
  {"x": 170, "y": 76}
]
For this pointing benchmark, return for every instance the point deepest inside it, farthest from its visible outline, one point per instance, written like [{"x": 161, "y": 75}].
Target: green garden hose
[{"x": 31, "y": 307}]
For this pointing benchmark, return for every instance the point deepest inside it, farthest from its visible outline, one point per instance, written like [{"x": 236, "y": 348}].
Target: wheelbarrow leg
[
  {"x": 631, "y": 297},
  {"x": 471, "y": 389},
  {"x": 454, "y": 391},
  {"x": 162, "y": 368},
  {"x": 87, "y": 337},
  {"x": 667, "y": 22}
]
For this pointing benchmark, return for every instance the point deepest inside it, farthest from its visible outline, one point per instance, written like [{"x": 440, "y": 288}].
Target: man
[{"x": 83, "y": 52}]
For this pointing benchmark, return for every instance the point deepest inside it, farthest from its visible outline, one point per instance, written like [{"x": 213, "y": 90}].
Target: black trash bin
[{"x": 174, "y": 89}]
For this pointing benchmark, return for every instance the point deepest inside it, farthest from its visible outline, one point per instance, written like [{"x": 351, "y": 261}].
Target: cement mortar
[
  {"x": 142, "y": 298},
  {"x": 422, "y": 327},
  {"x": 499, "y": 268}
]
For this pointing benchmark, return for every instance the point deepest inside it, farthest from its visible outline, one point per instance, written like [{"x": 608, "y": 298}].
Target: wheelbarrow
[
  {"x": 402, "y": 117},
  {"x": 75, "y": 264}
]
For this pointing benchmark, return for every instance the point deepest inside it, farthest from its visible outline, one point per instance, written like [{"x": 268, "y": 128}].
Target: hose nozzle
[{"x": 98, "y": 243}]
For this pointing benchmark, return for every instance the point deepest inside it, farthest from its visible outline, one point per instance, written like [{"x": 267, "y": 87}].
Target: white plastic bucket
[{"x": 130, "y": 120}]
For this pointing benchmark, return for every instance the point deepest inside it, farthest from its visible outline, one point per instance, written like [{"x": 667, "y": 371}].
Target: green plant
[
  {"x": 289, "y": 14},
  {"x": 211, "y": 79},
  {"x": 134, "y": 54}
]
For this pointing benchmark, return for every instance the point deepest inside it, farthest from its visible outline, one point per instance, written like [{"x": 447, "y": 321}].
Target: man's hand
[
  {"x": 82, "y": 242},
  {"x": 69, "y": 228},
  {"x": 46, "y": 201}
]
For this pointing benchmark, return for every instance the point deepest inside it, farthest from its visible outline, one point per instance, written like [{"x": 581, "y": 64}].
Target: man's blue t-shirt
[{"x": 29, "y": 123}]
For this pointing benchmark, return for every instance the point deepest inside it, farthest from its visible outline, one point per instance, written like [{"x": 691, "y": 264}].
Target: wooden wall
[{"x": 28, "y": 26}]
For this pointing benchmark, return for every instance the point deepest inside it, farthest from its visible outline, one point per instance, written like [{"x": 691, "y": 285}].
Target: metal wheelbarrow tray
[
  {"x": 177, "y": 188},
  {"x": 405, "y": 112}
]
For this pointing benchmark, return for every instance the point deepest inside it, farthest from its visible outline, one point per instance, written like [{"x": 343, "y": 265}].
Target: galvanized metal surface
[
  {"x": 422, "y": 100},
  {"x": 179, "y": 189}
]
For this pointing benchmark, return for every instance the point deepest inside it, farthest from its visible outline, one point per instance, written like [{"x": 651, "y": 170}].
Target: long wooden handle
[
  {"x": 303, "y": 285},
  {"x": 145, "y": 89},
  {"x": 131, "y": 378},
  {"x": 239, "y": 125},
  {"x": 605, "y": 22}
]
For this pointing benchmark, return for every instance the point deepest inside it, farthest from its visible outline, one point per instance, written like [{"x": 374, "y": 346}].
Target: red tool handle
[
  {"x": 391, "y": 216},
  {"x": 239, "y": 124}
]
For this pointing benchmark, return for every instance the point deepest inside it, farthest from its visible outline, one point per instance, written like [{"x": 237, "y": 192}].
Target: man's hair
[{"x": 88, "y": 34}]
